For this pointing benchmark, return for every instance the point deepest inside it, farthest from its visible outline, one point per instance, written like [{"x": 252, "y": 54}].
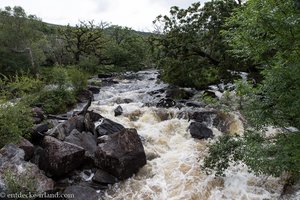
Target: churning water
[{"x": 173, "y": 170}]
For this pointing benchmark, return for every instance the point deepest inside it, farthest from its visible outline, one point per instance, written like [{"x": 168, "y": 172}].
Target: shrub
[
  {"x": 15, "y": 122},
  {"x": 78, "y": 79},
  {"x": 55, "y": 101}
]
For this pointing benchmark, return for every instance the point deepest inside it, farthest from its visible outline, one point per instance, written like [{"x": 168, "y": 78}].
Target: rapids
[{"x": 173, "y": 170}]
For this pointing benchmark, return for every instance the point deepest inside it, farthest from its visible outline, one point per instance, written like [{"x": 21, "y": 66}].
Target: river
[{"x": 173, "y": 170}]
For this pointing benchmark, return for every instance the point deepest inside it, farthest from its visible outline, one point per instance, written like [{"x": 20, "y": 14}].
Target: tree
[
  {"x": 268, "y": 33},
  {"x": 20, "y": 37},
  {"x": 126, "y": 48},
  {"x": 191, "y": 47},
  {"x": 85, "y": 38}
]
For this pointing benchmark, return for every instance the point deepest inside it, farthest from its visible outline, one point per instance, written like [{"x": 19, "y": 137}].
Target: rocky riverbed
[{"x": 138, "y": 138}]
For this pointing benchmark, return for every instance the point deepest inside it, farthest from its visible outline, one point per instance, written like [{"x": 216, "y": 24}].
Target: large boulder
[
  {"x": 38, "y": 115},
  {"x": 108, "y": 127},
  {"x": 60, "y": 157},
  {"x": 200, "y": 130},
  {"x": 26, "y": 174},
  {"x": 121, "y": 154},
  {"x": 86, "y": 140}
]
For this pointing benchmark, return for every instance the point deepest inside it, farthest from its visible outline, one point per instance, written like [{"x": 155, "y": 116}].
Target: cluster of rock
[{"x": 78, "y": 155}]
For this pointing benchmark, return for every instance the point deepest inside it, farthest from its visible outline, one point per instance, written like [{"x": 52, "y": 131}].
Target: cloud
[{"x": 137, "y": 14}]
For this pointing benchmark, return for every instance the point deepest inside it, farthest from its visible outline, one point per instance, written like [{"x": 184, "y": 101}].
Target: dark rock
[
  {"x": 105, "y": 75},
  {"x": 104, "y": 178},
  {"x": 27, "y": 147},
  {"x": 118, "y": 111},
  {"x": 60, "y": 157},
  {"x": 38, "y": 115},
  {"x": 94, "y": 116},
  {"x": 122, "y": 154},
  {"x": 108, "y": 127},
  {"x": 94, "y": 89},
  {"x": 166, "y": 103},
  {"x": 12, "y": 159},
  {"x": 38, "y": 132},
  {"x": 108, "y": 82},
  {"x": 200, "y": 131},
  {"x": 204, "y": 116},
  {"x": 119, "y": 100},
  {"x": 84, "y": 96},
  {"x": 159, "y": 91},
  {"x": 85, "y": 140},
  {"x": 64, "y": 129},
  {"x": 195, "y": 104},
  {"x": 228, "y": 123},
  {"x": 38, "y": 155},
  {"x": 79, "y": 192},
  {"x": 178, "y": 93}
]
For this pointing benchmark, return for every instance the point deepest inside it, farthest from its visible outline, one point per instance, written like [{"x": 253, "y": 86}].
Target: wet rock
[
  {"x": 166, "y": 103},
  {"x": 93, "y": 89},
  {"x": 229, "y": 123},
  {"x": 85, "y": 140},
  {"x": 60, "y": 157},
  {"x": 122, "y": 154},
  {"x": 118, "y": 111},
  {"x": 84, "y": 96},
  {"x": 27, "y": 147},
  {"x": 200, "y": 130},
  {"x": 104, "y": 178},
  {"x": 159, "y": 91},
  {"x": 94, "y": 116},
  {"x": 79, "y": 192},
  {"x": 108, "y": 82},
  {"x": 12, "y": 160},
  {"x": 108, "y": 127},
  {"x": 119, "y": 100},
  {"x": 105, "y": 75},
  {"x": 179, "y": 93},
  {"x": 195, "y": 104},
  {"x": 89, "y": 121},
  {"x": 204, "y": 116}
]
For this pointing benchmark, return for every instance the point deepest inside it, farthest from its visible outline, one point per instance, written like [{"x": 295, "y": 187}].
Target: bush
[
  {"x": 78, "y": 79},
  {"x": 15, "y": 122},
  {"x": 55, "y": 101}
]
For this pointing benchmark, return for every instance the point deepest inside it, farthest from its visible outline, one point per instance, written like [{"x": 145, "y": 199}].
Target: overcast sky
[{"x": 137, "y": 14}]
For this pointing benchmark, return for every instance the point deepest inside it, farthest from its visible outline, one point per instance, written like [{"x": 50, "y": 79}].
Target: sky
[{"x": 136, "y": 14}]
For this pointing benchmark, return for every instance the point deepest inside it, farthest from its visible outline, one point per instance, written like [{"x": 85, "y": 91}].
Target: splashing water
[{"x": 173, "y": 170}]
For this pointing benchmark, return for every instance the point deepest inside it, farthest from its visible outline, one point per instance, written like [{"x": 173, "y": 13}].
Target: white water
[{"x": 173, "y": 158}]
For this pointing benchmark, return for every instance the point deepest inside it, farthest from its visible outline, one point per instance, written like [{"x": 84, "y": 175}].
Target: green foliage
[
  {"x": 271, "y": 156},
  {"x": 20, "y": 85},
  {"x": 78, "y": 79},
  {"x": 268, "y": 33},
  {"x": 191, "y": 50},
  {"x": 55, "y": 101},
  {"x": 19, "y": 183},
  {"x": 126, "y": 49},
  {"x": 15, "y": 122}
]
